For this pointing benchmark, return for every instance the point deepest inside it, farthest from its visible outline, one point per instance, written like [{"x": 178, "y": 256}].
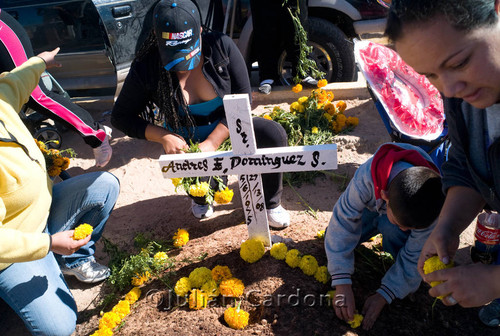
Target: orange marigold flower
[
  {"x": 341, "y": 106},
  {"x": 352, "y": 121},
  {"x": 232, "y": 287},
  {"x": 65, "y": 165},
  {"x": 322, "y": 83},
  {"x": 297, "y": 88},
  {"x": 267, "y": 116},
  {"x": 330, "y": 95},
  {"x": 139, "y": 279},
  {"x": 198, "y": 299}
]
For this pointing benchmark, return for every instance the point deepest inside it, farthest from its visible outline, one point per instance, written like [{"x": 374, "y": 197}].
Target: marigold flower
[
  {"x": 356, "y": 322},
  {"x": 232, "y": 287},
  {"x": 308, "y": 264},
  {"x": 199, "y": 189},
  {"x": 314, "y": 130},
  {"x": 198, "y": 299},
  {"x": 236, "y": 317},
  {"x": 109, "y": 320},
  {"x": 211, "y": 288},
  {"x": 140, "y": 278},
  {"x": 58, "y": 161},
  {"x": 224, "y": 196},
  {"x": 220, "y": 273},
  {"x": 294, "y": 107},
  {"x": 352, "y": 121},
  {"x": 297, "y": 88},
  {"x": 54, "y": 171},
  {"x": 182, "y": 286},
  {"x": 133, "y": 295},
  {"x": 122, "y": 308},
  {"x": 322, "y": 274},
  {"x": 278, "y": 251},
  {"x": 322, "y": 83},
  {"x": 292, "y": 258},
  {"x": 341, "y": 106},
  {"x": 176, "y": 181},
  {"x": 327, "y": 116},
  {"x": 103, "y": 332},
  {"x": 199, "y": 276},
  {"x": 65, "y": 165},
  {"x": 434, "y": 264},
  {"x": 330, "y": 109},
  {"x": 330, "y": 95},
  {"x": 302, "y": 100},
  {"x": 320, "y": 234},
  {"x": 267, "y": 116},
  {"x": 181, "y": 237},
  {"x": 160, "y": 256},
  {"x": 82, "y": 231},
  {"x": 252, "y": 250}
]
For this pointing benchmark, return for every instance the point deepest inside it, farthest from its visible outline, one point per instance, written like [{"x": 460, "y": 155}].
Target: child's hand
[
  {"x": 371, "y": 310},
  {"x": 49, "y": 58},
  {"x": 344, "y": 304}
]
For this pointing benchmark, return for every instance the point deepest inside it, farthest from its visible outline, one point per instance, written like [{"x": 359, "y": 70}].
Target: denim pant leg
[
  {"x": 269, "y": 133},
  {"x": 87, "y": 198},
  {"x": 393, "y": 237},
  {"x": 37, "y": 292}
]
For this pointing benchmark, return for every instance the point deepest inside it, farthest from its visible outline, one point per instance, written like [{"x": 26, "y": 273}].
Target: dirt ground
[{"x": 281, "y": 300}]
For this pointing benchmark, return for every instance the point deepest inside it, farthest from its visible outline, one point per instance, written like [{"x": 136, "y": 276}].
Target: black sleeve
[
  {"x": 131, "y": 102},
  {"x": 238, "y": 72}
]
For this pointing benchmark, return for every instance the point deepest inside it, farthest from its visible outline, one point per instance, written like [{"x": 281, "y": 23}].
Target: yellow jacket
[{"x": 25, "y": 188}]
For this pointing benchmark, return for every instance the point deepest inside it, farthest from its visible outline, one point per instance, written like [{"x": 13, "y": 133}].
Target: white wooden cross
[{"x": 249, "y": 162}]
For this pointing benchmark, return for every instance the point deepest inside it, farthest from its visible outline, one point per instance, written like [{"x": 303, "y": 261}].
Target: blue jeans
[
  {"x": 36, "y": 290},
  {"x": 393, "y": 237}
]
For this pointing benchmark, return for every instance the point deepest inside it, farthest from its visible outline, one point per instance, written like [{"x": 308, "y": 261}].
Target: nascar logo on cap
[{"x": 177, "y": 36}]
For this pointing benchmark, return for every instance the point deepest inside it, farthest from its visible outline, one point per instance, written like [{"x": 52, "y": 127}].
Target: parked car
[{"x": 98, "y": 38}]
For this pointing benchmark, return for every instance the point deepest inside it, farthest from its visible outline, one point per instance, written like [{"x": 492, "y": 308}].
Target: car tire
[{"x": 332, "y": 51}]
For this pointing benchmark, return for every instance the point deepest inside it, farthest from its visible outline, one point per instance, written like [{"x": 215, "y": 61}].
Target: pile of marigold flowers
[
  {"x": 115, "y": 316},
  {"x": 54, "y": 159},
  {"x": 203, "y": 286},
  {"x": 315, "y": 119}
]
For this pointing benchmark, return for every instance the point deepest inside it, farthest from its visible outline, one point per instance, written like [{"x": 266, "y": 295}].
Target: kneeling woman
[{"x": 185, "y": 74}]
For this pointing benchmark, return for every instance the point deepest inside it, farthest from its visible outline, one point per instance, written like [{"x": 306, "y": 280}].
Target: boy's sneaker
[
  {"x": 309, "y": 81},
  {"x": 88, "y": 272},
  {"x": 490, "y": 314},
  {"x": 278, "y": 218},
  {"x": 103, "y": 153},
  {"x": 266, "y": 86},
  {"x": 201, "y": 210}
]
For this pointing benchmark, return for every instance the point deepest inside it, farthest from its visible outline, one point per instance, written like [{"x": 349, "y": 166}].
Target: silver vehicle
[{"x": 99, "y": 38}]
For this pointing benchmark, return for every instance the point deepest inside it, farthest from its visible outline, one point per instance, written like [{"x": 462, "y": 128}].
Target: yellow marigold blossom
[
  {"x": 224, "y": 196},
  {"x": 220, "y": 273},
  {"x": 341, "y": 106},
  {"x": 294, "y": 107},
  {"x": 182, "y": 286},
  {"x": 327, "y": 116},
  {"x": 122, "y": 308},
  {"x": 109, "y": 320},
  {"x": 314, "y": 130},
  {"x": 199, "y": 276},
  {"x": 322, "y": 274},
  {"x": 322, "y": 83},
  {"x": 267, "y": 116},
  {"x": 330, "y": 109},
  {"x": 320, "y": 106},
  {"x": 292, "y": 258},
  {"x": 160, "y": 256},
  {"x": 103, "y": 332},
  {"x": 198, "y": 299},
  {"x": 320, "y": 234},
  {"x": 236, "y": 318},
  {"x": 140, "y": 278},
  {"x": 301, "y": 108},
  {"x": 181, "y": 237},
  {"x": 199, "y": 189},
  {"x": 352, "y": 121},
  {"x": 278, "y": 251},
  {"x": 434, "y": 264},
  {"x": 252, "y": 250},
  {"x": 308, "y": 264},
  {"x": 356, "y": 322},
  {"x": 58, "y": 161},
  {"x": 211, "y": 288},
  {"x": 302, "y": 100},
  {"x": 232, "y": 287},
  {"x": 176, "y": 181},
  {"x": 133, "y": 295},
  {"x": 82, "y": 231},
  {"x": 54, "y": 171},
  {"x": 297, "y": 88},
  {"x": 341, "y": 118},
  {"x": 330, "y": 95}
]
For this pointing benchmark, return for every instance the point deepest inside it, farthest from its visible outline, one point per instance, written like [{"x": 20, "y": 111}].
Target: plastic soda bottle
[{"x": 486, "y": 239}]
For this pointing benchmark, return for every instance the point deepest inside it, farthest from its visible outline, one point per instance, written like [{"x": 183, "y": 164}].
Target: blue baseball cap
[{"x": 177, "y": 25}]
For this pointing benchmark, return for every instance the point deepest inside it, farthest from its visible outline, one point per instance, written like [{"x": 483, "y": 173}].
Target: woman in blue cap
[{"x": 185, "y": 74}]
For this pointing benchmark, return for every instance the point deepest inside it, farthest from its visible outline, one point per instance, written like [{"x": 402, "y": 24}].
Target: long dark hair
[{"x": 170, "y": 100}]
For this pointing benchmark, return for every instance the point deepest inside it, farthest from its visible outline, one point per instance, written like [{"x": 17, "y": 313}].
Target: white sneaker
[
  {"x": 89, "y": 272},
  {"x": 201, "y": 210},
  {"x": 309, "y": 81},
  {"x": 102, "y": 154},
  {"x": 278, "y": 218}
]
